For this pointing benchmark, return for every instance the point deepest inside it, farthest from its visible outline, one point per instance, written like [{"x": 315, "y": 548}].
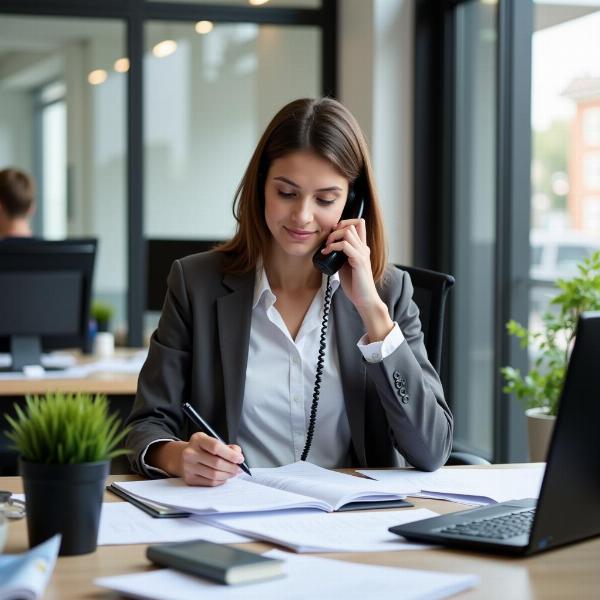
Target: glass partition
[
  {"x": 474, "y": 227},
  {"x": 208, "y": 96},
  {"x": 62, "y": 119}
]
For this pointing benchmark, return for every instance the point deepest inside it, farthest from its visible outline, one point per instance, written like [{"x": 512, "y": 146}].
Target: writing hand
[{"x": 209, "y": 462}]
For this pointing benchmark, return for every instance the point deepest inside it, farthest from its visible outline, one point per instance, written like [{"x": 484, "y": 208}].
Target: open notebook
[{"x": 298, "y": 485}]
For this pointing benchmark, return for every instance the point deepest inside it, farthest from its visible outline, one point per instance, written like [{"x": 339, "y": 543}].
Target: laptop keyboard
[{"x": 498, "y": 528}]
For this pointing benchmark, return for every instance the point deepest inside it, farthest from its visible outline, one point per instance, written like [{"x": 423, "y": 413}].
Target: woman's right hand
[
  {"x": 208, "y": 462},
  {"x": 202, "y": 460}
]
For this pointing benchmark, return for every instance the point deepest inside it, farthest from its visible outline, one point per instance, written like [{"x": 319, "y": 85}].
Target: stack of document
[
  {"x": 474, "y": 486},
  {"x": 123, "y": 523},
  {"x": 298, "y": 485},
  {"x": 310, "y": 531},
  {"x": 25, "y": 576},
  {"x": 306, "y": 577}
]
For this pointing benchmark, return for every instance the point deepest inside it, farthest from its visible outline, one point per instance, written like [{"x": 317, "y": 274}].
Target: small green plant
[
  {"x": 66, "y": 429},
  {"x": 102, "y": 313},
  {"x": 541, "y": 387}
]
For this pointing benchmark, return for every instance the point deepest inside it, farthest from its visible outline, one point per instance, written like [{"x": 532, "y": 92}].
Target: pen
[{"x": 197, "y": 420}]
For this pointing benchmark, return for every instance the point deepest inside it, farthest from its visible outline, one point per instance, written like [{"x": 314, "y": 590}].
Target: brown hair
[
  {"x": 327, "y": 128},
  {"x": 16, "y": 193}
]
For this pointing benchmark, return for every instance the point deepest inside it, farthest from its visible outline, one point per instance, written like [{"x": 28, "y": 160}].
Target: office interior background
[{"x": 137, "y": 119}]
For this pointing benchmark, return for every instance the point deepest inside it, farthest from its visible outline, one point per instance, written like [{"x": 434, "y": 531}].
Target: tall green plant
[
  {"x": 542, "y": 385},
  {"x": 66, "y": 429}
]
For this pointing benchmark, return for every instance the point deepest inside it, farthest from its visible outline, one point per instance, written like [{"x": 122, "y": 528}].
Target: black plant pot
[{"x": 65, "y": 499}]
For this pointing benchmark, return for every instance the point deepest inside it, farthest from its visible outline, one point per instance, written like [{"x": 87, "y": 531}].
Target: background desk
[
  {"x": 569, "y": 572},
  {"x": 103, "y": 382},
  {"x": 118, "y": 386}
]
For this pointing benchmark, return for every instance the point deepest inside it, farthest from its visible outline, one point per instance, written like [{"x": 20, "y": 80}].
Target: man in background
[{"x": 17, "y": 203}]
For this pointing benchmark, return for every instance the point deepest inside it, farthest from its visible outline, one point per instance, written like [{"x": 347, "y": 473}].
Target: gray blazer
[{"x": 199, "y": 352}]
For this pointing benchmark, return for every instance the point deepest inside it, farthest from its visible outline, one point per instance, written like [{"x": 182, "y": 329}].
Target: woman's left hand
[{"x": 356, "y": 276}]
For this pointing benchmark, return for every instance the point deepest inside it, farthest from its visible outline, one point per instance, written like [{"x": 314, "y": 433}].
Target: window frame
[{"x": 435, "y": 79}]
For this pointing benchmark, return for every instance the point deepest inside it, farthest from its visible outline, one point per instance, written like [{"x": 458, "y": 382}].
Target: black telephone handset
[{"x": 331, "y": 263}]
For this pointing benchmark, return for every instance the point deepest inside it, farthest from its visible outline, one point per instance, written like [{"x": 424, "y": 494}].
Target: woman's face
[{"x": 304, "y": 199}]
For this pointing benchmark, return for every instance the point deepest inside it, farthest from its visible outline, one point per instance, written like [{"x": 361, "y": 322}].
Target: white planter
[{"x": 539, "y": 428}]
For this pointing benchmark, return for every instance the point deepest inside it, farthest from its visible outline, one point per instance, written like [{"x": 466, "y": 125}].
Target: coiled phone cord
[{"x": 319, "y": 373}]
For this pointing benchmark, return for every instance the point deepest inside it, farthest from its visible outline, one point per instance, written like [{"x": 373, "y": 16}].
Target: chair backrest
[
  {"x": 160, "y": 255},
  {"x": 430, "y": 291}
]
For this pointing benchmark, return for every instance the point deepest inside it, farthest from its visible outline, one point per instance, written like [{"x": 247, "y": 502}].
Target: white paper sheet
[
  {"x": 123, "y": 523},
  {"x": 478, "y": 486},
  {"x": 310, "y": 531},
  {"x": 306, "y": 577}
]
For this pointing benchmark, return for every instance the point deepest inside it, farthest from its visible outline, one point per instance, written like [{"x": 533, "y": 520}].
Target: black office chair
[
  {"x": 160, "y": 255},
  {"x": 430, "y": 292}
]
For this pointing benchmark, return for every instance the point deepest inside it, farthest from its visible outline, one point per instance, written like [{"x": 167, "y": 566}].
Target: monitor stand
[{"x": 24, "y": 350}]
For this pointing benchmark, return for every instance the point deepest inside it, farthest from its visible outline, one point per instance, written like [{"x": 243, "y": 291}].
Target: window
[
  {"x": 568, "y": 256},
  {"x": 565, "y": 122},
  {"x": 591, "y": 214},
  {"x": 474, "y": 227},
  {"x": 591, "y": 126},
  {"x": 591, "y": 171},
  {"x": 63, "y": 119},
  {"x": 474, "y": 56},
  {"x": 51, "y": 170}
]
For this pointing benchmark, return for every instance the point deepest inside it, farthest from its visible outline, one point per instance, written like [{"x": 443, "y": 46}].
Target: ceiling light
[
  {"x": 97, "y": 77},
  {"x": 121, "y": 65},
  {"x": 204, "y": 27},
  {"x": 257, "y": 2},
  {"x": 164, "y": 48}
]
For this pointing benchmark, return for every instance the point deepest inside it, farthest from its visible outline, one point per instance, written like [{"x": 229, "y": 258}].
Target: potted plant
[
  {"x": 541, "y": 387},
  {"x": 65, "y": 443},
  {"x": 101, "y": 313}
]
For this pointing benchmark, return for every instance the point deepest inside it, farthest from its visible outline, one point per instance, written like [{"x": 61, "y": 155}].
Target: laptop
[{"x": 568, "y": 508}]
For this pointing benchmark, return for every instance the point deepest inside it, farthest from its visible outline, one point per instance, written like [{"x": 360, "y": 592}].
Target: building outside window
[{"x": 565, "y": 168}]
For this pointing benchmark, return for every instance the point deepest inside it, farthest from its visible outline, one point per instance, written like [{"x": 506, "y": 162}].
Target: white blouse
[{"x": 280, "y": 379}]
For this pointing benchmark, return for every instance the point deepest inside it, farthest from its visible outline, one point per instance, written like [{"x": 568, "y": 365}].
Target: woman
[{"x": 239, "y": 334}]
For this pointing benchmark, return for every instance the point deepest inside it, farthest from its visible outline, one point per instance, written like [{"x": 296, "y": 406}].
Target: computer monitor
[
  {"x": 160, "y": 256},
  {"x": 45, "y": 296}
]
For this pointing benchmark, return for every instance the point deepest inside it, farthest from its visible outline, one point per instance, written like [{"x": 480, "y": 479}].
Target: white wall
[{"x": 376, "y": 84}]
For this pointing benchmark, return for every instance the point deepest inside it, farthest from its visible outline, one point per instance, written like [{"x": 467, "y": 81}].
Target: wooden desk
[
  {"x": 569, "y": 572},
  {"x": 104, "y": 382}
]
